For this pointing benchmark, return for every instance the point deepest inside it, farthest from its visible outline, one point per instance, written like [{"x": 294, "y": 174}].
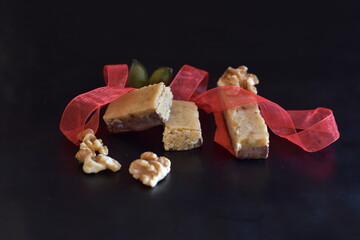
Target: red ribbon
[
  {"x": 318, "y": 126},
  {"x": 189, "y": 83},
  {"x": 76, "y": 114}
]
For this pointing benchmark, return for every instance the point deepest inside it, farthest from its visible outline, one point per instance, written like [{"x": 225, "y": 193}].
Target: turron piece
[
  {"x": 139, "y": 109},
  {"x": 246, "y": 127},
  {"x": 182, "y": 130}
]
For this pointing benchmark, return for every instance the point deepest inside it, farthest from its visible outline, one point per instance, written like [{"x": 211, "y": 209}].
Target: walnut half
[
  {"x": 150, "y": 169},
  {"x": 239, "y": 77},
  {"x": 93, "y": 163}
]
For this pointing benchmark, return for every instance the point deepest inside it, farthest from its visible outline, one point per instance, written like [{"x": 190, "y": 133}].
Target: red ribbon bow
[
  {"x": 77, "y": 115},
  {"x": 318, "y": 126}
]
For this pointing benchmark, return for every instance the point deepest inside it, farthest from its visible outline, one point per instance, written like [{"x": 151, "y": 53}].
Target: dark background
[{"x": 305, "y": 54}]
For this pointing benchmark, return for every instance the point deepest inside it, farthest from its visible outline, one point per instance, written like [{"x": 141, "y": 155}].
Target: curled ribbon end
[
  {"x": 319, "y": 128},
  {"x": 77, "y": 115}
]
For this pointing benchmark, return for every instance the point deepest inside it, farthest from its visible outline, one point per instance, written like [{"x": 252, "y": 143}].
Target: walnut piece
[
  {"x": 150, "y": 169},
  {"x": 87, "y": 154},
  {"x": 239, "y": 77},
  {"x": 148, "y": 156}
]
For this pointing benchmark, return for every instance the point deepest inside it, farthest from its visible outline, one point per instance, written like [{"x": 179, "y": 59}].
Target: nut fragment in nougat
[
  {"x": 246, "y": 127},
  {"x": 182, "y": 130},
  {"x": 139, "y": 109}
]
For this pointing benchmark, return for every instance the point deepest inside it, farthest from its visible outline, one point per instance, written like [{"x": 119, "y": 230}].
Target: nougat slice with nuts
[
  {"x": 182, "y": 130},
  {"x": 246, "y": 127},
  {"x": 139, "y": 109}
]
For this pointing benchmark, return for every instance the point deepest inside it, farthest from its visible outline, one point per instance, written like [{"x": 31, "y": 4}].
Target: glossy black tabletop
[{"x": 306, "y": 55}]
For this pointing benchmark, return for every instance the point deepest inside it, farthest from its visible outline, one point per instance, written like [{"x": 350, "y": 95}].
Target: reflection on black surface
[
  {"x": 316, "y": 166},
  {"x": 206, "y": 187},
  {"x": 66, "y": 150}
]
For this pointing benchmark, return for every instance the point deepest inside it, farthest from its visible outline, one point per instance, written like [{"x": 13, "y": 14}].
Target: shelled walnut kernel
[
  {"x": 150, "y": 169},
  {"x": 93, "y": 163},
  {"x": 239, "y": 77}
]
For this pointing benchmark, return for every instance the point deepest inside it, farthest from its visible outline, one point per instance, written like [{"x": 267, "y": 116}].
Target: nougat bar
[
  {"x": 182, "y": 130},
  {"x": 246, "y": 127},
  {"x": 139, "y": 109}
]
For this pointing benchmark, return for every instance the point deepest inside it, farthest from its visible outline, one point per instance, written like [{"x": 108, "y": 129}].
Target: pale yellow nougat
[
  {"x": 139, "y": 109},
  {"x": 182, "y": 130},
  {"x": 247, "y": 128}
]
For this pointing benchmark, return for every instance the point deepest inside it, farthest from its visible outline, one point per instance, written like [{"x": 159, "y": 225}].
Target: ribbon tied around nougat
[{"x": 318, "y": 127}]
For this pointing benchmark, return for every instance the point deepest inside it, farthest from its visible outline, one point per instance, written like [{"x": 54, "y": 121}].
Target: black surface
[{"x": 305, "y": 55}]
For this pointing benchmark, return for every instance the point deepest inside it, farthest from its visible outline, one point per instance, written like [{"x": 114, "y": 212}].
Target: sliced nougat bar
[
  {"x": 247, "y": 129},
  {"x": 182, "y": 130},
  {"x": 139, "y": 109}
]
